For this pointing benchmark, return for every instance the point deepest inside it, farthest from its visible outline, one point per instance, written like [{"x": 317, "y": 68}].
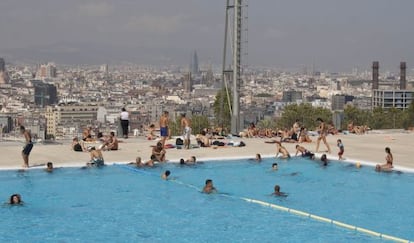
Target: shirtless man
[
  {"x": 323, "y": 131},
  {"x": 281, "y": 149},
  {"x": 164, "y": 120},
  {"x": 209, "y": 188},
  {"x": 159, "y": 152},
  {"x": 96, "y": 157},
  {"x": 388, "y": 162},
  {"x": 112, "y": 143},
  {"x": 27, "y": 147},
  {"x": 86, "y": 134},
  {"x": 304, "y": 152},
  {"x": 186, "y": 126}
]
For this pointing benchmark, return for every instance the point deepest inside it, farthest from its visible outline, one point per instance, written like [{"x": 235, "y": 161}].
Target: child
[{"x": 341, "y": 149}]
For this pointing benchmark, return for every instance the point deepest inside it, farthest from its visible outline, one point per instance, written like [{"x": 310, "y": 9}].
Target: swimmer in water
[
  {"x": 324, "y": 160},
  {"x": 209, "y": 187},
  {"x": 277, "y": 192},
  {"x": 258, "y": 158},
  {"x": 274, "y": 166},
  {"x": 15, "y": 199},
  {"x": 165, "y": 175},
  {"x": 49, "y": 167}
]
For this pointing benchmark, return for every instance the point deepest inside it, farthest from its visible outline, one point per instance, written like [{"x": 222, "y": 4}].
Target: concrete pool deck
[{"x": 368, "y": 148}]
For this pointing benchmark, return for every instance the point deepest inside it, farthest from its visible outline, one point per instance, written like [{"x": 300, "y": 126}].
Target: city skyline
[{"x": 331, "y": 35}]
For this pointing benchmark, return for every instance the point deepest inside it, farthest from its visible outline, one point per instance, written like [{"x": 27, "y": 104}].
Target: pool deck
[{"x": 367, "y": 149}]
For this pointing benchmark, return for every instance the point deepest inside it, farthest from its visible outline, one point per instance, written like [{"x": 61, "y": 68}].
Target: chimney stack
[
  {"x": 403, "y": 80},
  {"x": 375, "y": 75}
]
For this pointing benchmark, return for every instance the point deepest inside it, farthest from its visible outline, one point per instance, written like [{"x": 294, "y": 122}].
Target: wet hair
[
  {"x": 277, "y": 188},
  {"x": 258, "y": 156},
  {"x": 274, "y": 164},
  {"x": 138, "y": 159},
  {"x": 18, "y": 197},
  {"x": 208, "y": 181},
  {"x": 167, "y": 173},
  {"x": 49, "y": 165},
  {"x": 153, "y": 157},
  {"x": 388, "y": 150},
  {"x": 194, "y": 158},
  {"x": 182, "y": 161}
]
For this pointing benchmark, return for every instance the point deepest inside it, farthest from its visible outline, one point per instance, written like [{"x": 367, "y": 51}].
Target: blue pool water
[{"x": 115, "y": 204}]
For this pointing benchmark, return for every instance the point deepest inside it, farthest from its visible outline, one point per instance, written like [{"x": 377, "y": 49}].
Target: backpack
[{"x": 179, "y": 141}]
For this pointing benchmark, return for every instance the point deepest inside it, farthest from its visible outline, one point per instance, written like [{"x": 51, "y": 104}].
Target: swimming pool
[{"x": 117, "y": 204}]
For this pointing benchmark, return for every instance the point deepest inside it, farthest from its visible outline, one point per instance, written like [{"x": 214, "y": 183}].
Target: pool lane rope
[{"x": 286, "y": 209}]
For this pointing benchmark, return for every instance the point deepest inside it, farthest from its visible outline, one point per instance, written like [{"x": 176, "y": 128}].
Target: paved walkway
[{"x": 358, "y": 148}]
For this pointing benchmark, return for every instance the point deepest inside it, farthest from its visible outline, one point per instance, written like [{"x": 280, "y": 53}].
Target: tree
[
  {"x": 199, "y": 122},
  {"x": 266, "y": 124},
  {"x": 357, "y": 116},
  {"x": 222, "y": 109},
  {"x": 305, "y": 113}
]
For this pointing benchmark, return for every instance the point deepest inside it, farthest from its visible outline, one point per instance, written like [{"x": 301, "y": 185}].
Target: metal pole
[{"x": 235, "y": 119}]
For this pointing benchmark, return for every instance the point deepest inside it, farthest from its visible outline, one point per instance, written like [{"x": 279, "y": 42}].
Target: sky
[{"x": 334, "y": 35}]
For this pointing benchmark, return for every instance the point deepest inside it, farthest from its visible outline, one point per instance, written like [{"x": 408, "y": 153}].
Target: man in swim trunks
[
  {"x": 96, "y": 157},
  {"x": 27, "y": 147},
  {"x": 186, "y": 126},
  {"x": 164, "y": 120},
  {"x": 304, "y": 152}
]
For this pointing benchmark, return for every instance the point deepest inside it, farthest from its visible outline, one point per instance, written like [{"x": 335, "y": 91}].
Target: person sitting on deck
[
  {"x": 281, "y": 149},
  {"x": 159, "y": 152},
  {"x": 96, "y": 157},
  {"x": 304, "y": 152},
  {"x": 111, "y": 144},
  {"x": 388, "y": 162}
]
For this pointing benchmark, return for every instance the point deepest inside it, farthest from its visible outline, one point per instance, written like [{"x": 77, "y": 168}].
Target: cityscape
[
  {"x": 206, "y": 121},
  {"x": 57, "y": 101}
]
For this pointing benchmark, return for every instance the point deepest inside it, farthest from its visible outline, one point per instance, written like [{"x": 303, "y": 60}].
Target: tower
[
  {"x": 403, "y": 81},
  {"x": 194, "y": 64},
  {"x": 375, "y": 75},
  {"x": 2, "y": 65},
  {"x": 235, "y": 70}
]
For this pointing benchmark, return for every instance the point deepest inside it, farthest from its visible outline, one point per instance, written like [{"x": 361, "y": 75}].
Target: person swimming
[
  {"x": 209, "y": 187},
  {"x": 49, "y": 167},
  {"x": 15, "y": 199},
  {"x": 258, "y": 158},
  {"x": 165, "y": 175},
  {"x": 324, "y": 160},
  {"x": 277, "y": 192},
  {"x": 274, "y": 166}
]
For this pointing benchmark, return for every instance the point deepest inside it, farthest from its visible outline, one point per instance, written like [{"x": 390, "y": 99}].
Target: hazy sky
[{"x": 335, "y": 35}]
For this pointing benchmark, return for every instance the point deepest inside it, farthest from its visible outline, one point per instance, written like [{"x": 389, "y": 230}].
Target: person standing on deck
[
  {"x": 186, "y": 126},
  {"x": 164, "y": 120},
  {"x": 27, "y": 147},
  {"x": 124, "y": 122}
]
